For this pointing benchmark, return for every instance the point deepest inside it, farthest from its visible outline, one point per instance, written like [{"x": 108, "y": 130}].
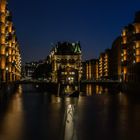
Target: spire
[{"x": 77, "y": 49}]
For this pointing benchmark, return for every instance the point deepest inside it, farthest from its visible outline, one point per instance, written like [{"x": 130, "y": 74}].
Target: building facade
[
  {"x": 101, "y": 65},
  {"x": 104, "y": 65},
  {"x": 90, "y": 69},
  {"x": 122, "y": 61},
  {"x": 115, "y": 62},
  {"x": 10, "y": 58},
  {"x": 66, "y": 57},
  {"x": 131, "y": 50}
]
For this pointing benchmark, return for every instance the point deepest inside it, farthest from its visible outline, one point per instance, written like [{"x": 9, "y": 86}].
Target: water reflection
[
  {"x": 33, "y": 115},
  {"x": 12, "y": 121},
  {"x": 95, "y": 89},
  {"x": 69, "y": 128},
  {"x": 55, "y": 99}
]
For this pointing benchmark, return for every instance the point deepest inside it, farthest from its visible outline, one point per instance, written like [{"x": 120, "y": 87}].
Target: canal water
[{"x": 99, "y": 113}]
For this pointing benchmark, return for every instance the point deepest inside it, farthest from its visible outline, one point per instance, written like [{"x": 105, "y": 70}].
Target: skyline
[{"x": 95, "y": 24}]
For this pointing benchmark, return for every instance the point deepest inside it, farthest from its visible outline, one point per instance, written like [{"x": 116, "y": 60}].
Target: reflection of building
[
  {"x": 66, "y": 56},
  {"x": 115, "y": 62},
  {"x": 10, "y": 59},
  {"x": 91, "y": 89},
  {"x": 90, "y": 69},
  {"x": 131, "y": 50}
]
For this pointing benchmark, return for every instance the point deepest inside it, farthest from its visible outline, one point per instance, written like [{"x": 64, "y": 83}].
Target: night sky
[{"x": 95, "y": 23}]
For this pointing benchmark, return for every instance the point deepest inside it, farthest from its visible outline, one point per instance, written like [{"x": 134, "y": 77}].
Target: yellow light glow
[
  {"x": 124, "y": 58},
  {"x": 137, "y": 43},
  {"x": 137, "y": 27},
  {"x": 124, "y": 52},
  {"x": 2, "y": 50},
  {"x": 3, "y": 6},
  {"x": 3, "y": 62},
  {"x": 3, "y": 28},
  {"x": 2, "y": 18},
  {"x": 138, "y": 59},
  {"x": 125, "y": 70},
  {"x": 137, "y": 52},
  {"x": 2, "y": 39},
  {"x": 124, "y": 40}
]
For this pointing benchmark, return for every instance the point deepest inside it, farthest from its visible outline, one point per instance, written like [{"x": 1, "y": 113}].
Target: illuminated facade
[
  {"x": 66, "y": 61},
  {"x": 10, "y": 59},
  {"x": 131, "y": 50},
  {"x": 101, "y": 65},
  {"x": 104, "y": 65},
  {"x": 90, "y": 69}
]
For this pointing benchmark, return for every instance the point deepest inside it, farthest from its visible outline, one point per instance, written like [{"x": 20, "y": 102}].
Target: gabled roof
[{"x": 67, "y": 48}]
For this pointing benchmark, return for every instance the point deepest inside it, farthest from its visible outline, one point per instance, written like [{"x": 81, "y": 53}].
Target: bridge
[
  {"x": 32, "y": 81},
  {"x": 101, "y": 82}
]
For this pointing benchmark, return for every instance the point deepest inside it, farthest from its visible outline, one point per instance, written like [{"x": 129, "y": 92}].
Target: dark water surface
[{"x": 101, "y": 114}]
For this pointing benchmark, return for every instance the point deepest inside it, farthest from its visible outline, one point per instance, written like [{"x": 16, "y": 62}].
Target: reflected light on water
[
  {"x": 12, "y": 124},
  {"x": 55, "y": 99},
  {"x": 69, "y": 127},
  {"x": 99, "y": 89},
  {"x": 89, "y": 89},
  {"x": 122, "y": 98},
  {"x": 70, "y": 123},
  {"x": 95, "y": 89}
]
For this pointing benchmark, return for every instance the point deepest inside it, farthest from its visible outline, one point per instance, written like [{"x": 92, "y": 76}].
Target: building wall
[
  {"x": 131, "y": 50},
  {"x": 10, "y": 59},
  {"x": 90, "y": 69},
  {"x": 122, "y": 61},
  {"x": 101, "y": 65},
  {"x": 64, "y": 57},
  {"x": 104, "y": 65},
  {"x": 115, "y": 62}
]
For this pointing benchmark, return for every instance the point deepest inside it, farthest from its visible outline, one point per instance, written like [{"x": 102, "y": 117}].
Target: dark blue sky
[{"x": 95, "y": 23}]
